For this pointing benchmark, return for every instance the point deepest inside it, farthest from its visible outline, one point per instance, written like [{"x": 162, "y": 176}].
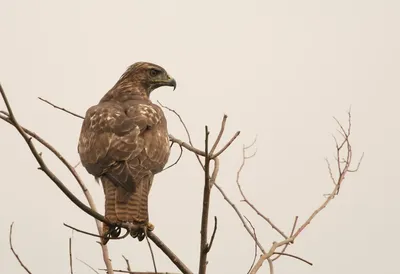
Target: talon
[{"x": 150, "y": 226}]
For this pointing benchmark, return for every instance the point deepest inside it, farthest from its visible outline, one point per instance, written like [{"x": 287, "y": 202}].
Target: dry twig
[
  {"x": 13, "y": 251},
  {"x": 244, "y": 158},
  {"x": 70, "y": 255},
  {"x": 128, "y": 265},
  {"x": 205, "y": 210},
  {"x": 343, "y": 168}
]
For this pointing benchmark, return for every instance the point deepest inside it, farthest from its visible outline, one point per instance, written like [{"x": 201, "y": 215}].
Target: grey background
[{"x": 279, "y": 69}]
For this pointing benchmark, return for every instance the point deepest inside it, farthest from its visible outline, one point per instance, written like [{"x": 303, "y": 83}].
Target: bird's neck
[{"x": 122, "y": 93}]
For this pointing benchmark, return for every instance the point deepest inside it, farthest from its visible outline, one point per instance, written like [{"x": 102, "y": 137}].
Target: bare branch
[
  {"x": 95, "y": 235},
  {"x": 226, "y": 146},
  {"x": 70, "y": 255},
  {"x": 186, "y": 129},
  {"x": 291, "y": 234},
  {"x": 151, "y": 252},
  {"x": 342, "y": 172},
  {"x": 240, "y": 217},
  {"x": 213, "y": 234},
  {"x": 293, "y": 256},
  {"x": 179, "y": 158},
  {"x": 63, "y": 109},
  {"x": 255, "y": 244},
  {"x": 128, "y": 265},
  {"x": 221, "y": 132},
  {"x": 206, "y": 208},
  {"x": 13, "y": 251},
  {"x": 187, "y": 146},
  {"x": 245, "y": 198}
]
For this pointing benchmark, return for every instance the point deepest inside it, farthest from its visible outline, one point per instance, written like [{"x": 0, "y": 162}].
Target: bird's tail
[{"x": 122, "y": 206}]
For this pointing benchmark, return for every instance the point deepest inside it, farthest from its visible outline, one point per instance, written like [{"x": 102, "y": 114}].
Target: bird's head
[{"x": 148, "y": 76}]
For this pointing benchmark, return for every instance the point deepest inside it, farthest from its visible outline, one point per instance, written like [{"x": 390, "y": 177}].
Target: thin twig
[
  {"x": 255, "y": 244},
  {"x": 63, "y": 109},
  {"x": 342, "y": 173},
  {"x": 13, "y": 251},
  {"x": 206, "y": 208},
  {"x": 187, "y": 146},
  {"x": 293, "y": 256},
  {"x": 226, "y": 145},
  {"x": 240, "y": 217},
  {"x": 70, "y": 255},
  {"x": 213, "y": 234},
  {"x": 171, "y": 165},
  {"x": 151, "y": 251},
  {"x": 186, "y": 129},
  {"x": 244, "y": 196},
  {"x": 97, "y": 236},
  {"x": 291, "y": 234},
  {"x": 221, "y": 132},
  {"x": 128, "y": 265},
  {"x": 88, "y": 265}
]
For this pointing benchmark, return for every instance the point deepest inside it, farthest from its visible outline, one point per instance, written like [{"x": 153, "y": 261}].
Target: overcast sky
[{"x": 279, "y": 69}]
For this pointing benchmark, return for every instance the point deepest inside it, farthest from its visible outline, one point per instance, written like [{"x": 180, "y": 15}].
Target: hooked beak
[{"x": 172, "y": 83}]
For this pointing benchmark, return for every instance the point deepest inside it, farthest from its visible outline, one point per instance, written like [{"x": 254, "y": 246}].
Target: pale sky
[{"x": 279, "y": 69}]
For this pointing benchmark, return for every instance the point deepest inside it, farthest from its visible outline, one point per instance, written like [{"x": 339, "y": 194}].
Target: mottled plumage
[{"x": 124, "y": 142}]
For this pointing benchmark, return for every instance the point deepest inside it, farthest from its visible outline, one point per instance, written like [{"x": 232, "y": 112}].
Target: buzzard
[{"x": 124, "y": 143}]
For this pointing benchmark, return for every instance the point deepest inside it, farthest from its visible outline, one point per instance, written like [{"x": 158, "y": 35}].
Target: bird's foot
[{"x": 140, "y": 230}]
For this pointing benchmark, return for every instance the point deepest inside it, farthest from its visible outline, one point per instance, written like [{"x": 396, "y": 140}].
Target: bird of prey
[{"x": 124, "y": 142}]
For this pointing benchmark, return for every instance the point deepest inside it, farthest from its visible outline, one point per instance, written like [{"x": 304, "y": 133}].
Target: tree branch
[
  {"x": 206, "y": 208},
  {"x": 13, "y": 251},
  {"x": 342, "y": 172},
  {"x": 70, "y": 255},
  {"x": 244, "y": 157}
]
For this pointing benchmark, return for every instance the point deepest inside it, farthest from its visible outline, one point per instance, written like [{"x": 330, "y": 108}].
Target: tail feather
[{"x": 122, "y": 206}]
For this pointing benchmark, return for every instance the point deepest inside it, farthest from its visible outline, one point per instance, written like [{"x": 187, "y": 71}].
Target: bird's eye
[{"x": 154, "y": 72}]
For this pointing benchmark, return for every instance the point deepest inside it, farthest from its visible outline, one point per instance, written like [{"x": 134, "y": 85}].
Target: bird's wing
[{"x": 112, "y": 138}]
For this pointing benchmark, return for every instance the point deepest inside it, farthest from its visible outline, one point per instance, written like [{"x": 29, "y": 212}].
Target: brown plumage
[{"x": 124, "y": 142}]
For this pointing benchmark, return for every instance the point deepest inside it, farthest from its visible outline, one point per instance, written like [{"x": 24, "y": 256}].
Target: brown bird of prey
[{"x": 124, "y": 142}]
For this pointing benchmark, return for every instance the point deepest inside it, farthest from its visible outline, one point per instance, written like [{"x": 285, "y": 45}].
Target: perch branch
[{"x": 75, "y": 200}]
